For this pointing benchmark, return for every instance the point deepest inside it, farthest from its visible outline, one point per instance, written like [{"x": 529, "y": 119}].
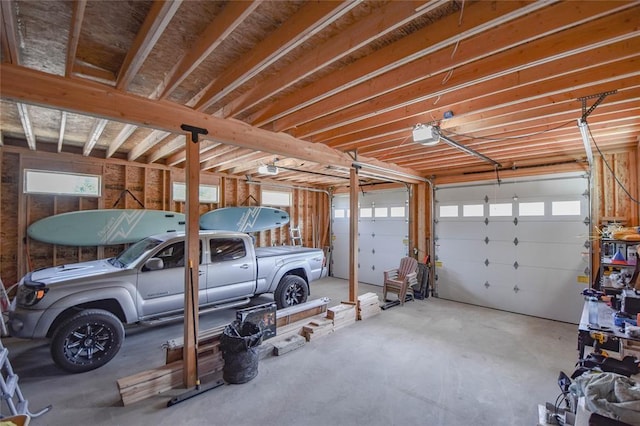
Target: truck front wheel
[
  {"x": 87, "y": 340},
  {"x": 292, "y": 290}
]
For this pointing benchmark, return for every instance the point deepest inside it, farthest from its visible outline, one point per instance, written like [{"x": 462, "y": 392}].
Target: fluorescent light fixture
[
  {"x": 269, "y": 169},
  {"x": 426, "y": 135}
]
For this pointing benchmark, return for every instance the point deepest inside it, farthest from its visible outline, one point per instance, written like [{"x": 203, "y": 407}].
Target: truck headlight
[{"x": 29, "y": 296}]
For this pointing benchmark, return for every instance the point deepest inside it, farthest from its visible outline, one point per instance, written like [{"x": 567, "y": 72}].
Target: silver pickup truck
[{"x": 82, "y": 307}]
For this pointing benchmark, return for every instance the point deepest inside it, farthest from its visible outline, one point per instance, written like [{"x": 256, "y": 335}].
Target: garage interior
[{"x": 339, "y": 106}]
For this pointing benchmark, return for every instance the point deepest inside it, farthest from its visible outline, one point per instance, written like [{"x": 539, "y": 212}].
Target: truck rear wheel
[
  {"x": 292, "y": 290},
  {"x": 87, "y": 340}
]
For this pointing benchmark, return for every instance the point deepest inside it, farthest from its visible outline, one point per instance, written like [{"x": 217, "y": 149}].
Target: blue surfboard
[
  {"x": 104, "y": 227},
  {"x": 244, "y": 219}
]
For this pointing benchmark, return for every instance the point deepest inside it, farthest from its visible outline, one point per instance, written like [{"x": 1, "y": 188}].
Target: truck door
[
  {"x": 232, "y": 271},
  {"x": 162, "y": 291}
]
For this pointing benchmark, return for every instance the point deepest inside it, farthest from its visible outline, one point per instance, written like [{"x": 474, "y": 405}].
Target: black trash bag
[{"x": 239, "y": 345}]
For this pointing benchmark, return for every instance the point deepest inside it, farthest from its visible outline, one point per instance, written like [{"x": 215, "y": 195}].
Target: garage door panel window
[
  {"x": 449, "y": 211},
  {"x": 501, "y": 210},
  {"x": 565, "y": 208},
  {"x": 381, "y": 212},
  {"x": 397, "y": 212},
  {"x": 531, "y": 209},
  {"x": 366, "y": 212},
  {"x": 473, "y": 210}
]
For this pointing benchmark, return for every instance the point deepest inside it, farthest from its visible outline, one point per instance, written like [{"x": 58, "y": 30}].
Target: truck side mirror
[{"x": 153, "y": 264}]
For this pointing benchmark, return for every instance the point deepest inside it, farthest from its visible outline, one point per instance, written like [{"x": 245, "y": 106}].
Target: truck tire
[
  {"x": 86, "y": 340},
  {"x": 292, "y": 290}
]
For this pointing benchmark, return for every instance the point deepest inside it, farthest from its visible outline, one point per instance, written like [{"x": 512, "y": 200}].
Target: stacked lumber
[
  {"x": 317, "y": 327},
  {"x": 155, "y": 381},
  {"x": 342, "y": 315},
  {"x": 134, "y": 388},
  {"x": 368, "y": 305}
]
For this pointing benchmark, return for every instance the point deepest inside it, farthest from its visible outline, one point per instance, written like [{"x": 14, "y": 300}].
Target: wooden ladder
[{"x": 296, "y": 236}]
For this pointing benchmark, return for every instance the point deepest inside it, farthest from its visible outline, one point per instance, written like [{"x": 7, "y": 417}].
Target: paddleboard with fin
[
  {"x": 104, "y": 227},
  {"x": 244, "y": 219}
]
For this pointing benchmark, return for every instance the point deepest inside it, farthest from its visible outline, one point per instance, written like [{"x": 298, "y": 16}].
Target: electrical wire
[
  {"x": 606, "y": 163},
  {"x": 491, "y": 138}
]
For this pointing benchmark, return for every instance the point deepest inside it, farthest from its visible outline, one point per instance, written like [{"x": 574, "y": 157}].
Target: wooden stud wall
[{"x": 151, "y": 184}]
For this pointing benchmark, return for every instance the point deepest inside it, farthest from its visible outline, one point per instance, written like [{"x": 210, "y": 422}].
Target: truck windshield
[{"x": 136, "y": 250}]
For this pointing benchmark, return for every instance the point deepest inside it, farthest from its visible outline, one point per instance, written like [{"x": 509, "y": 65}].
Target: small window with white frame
[
  {"x": 276, "y": 198},
  {"x": 206, "y": 193},
  {"x": 62, "y": 183}
]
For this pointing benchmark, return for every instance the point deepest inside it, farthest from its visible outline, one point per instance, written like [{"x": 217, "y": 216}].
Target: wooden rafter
[
  {"x": 63, "y": 125},
  {"x": 312, "y": 18},
  {"x": 94, "y": 135},
  {"x": 91, "y": 72},
  {"x": 168, "y": 148},
  {"x": 23, "y": 84},
  {"x": 10, "y": 44},
  {"x": 233, "y": 14},
  {"x": 469, "y": 71},
  {"x": 124, "y": 134},
  {"x": 74, "y": 34},
  {"x": 504, "y": 90},
  {"x": 147, "y": 143},
  {"x": 234, "y": 157},
  {"x": 227, "y": 164},
  {"x": 209, "y": 158},
  {"x": 26, "y": 125},
  {"x": 152, "y": 28},
  {"x": 480, "y": 16},
  {"x": 390, "y": 17}
]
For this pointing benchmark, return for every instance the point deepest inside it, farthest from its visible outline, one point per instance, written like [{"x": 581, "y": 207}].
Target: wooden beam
[
  {"x": 168, "y": 148},
  {"x": 353, "y": 234},
  {"x": 96, "y": 132},
  {"x": 86, "y": 70},
  {"x": 472, "y": 66},
  {"x": 191, "y": 285},
  {"x": 308, "y": 21},
  {"x": 181, "y": 156},
  {"x": 478, "y": 17},
  {"x": 233, "y": 156},
  {"x": 157, "y": 19},
  {"x": 124, "y": 134},
  {"x": 348, "y": 40},
  {"x": 10, "y": 44},
  {"x": 147, "y": 143},
  {"x": 22, "y": 84},
  {"x": 577, "y": 76},
  {"x": 233, "y": 14},
  {"x": 74, "y": 34},
  {"x": 63, "y": 124},
  {"x": 26, "y": 125}
]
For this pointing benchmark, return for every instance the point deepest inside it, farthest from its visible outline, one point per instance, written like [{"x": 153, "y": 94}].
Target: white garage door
[
  {"x": 518, "y": 246},
  {"x": 383, "y": 229}
]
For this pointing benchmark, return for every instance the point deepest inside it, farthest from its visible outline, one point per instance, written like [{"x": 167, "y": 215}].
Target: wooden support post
[
  {"x": 192, "y": 243},
  {"x": 353, "y": 235}
]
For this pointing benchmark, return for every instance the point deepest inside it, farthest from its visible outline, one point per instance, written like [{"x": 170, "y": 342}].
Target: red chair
[{"x": 401, "y": 279}]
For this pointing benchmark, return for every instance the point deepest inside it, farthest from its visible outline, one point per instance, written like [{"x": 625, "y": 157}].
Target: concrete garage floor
[{"x": 431, "y": 362}]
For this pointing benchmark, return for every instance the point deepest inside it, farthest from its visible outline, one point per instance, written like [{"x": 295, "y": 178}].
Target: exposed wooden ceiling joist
[
  {"x": 23, "y": 84},
  {"x": 337, "y": 80}
]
